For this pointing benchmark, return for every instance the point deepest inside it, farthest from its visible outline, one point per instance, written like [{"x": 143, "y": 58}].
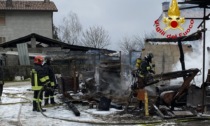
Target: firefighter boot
[
  {"x": 34, "y": 106},
  {"x": 40, "y": 108},
  {"x": 46, "y": 102},
  {"x": 52, "y": 101}
]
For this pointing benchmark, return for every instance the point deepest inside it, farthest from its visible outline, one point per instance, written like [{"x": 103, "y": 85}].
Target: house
[
  {"x": 20, "y": 18},
  {"x": 26, "y": 30}
]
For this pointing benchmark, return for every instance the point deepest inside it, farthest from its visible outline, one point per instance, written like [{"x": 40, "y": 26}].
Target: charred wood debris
[{"x": 104, "y": 91}]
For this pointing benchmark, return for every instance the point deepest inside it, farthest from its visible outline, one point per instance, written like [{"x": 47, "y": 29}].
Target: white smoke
[{"x": 195, "y": 59}]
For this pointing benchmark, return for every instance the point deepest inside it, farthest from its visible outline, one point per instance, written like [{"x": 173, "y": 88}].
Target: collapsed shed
[{"x": 192, "y": 99}]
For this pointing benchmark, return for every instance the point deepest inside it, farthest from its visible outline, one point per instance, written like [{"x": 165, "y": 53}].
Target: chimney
[
  {"x": 9, "y": 3},
  {"x": 46, "y": 1}
]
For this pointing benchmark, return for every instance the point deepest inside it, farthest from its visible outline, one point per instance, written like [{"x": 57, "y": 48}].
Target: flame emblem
[{"x": 174, "y": 21}]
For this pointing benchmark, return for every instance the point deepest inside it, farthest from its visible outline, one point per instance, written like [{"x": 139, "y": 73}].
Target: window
[{"x": 2, "y": 19}]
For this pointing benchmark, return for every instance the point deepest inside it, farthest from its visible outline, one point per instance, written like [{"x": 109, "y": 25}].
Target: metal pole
[{"x": 204, "y": 48}]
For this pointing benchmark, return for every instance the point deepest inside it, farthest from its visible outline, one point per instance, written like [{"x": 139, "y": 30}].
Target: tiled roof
[{"x": 29, "y": 5}]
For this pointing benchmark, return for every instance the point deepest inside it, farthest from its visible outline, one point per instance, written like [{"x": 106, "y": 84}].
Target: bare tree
[
  {"x": 55, "y": 33},
  {"x": 134, "y": 43},
  {"x": 95, "y": 37},
  {"x": 71, "y": 29},
  {"x": 127, "y": 44},
  {"x": 139, "y": 42}
]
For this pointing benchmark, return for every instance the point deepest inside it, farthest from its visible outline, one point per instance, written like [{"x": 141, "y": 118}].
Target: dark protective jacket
[
  {"x": 48, "y": 68},
  {"x": 145, "y": 68},
  {"x": 39, "y": 77}
]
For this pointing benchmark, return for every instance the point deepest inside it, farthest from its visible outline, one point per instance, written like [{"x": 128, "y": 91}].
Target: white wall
[{"x": 21, "y": 23}]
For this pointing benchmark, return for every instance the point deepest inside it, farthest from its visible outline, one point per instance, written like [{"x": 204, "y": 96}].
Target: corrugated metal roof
[
  {"x": 29, "y": 5},
  {"x": 23, "y": 54}
]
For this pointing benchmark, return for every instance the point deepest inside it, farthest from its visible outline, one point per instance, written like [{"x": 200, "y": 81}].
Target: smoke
[{"x": 195, "y": 59}]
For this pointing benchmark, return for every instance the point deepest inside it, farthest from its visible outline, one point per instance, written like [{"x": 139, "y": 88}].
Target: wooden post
[{"x": 146, "y": 107}]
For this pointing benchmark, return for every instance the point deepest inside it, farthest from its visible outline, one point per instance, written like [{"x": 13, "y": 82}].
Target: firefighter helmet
[
  {"x": 149, "y": 57},
  {"x": 38, "y": 59}
]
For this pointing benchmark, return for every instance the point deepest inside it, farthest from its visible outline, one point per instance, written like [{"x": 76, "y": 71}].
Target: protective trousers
[
  {"x": 49, "y": 94},
  {"x": 1, "y": 91},
  {"x": 37, "y": 101}
]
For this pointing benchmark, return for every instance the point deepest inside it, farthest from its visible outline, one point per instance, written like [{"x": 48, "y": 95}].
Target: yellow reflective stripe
[
  {"x": 36, "y": 87},
  {"x": 52, "y": 83},
  {"x": 39, "y": 100},
  {"x": 52, "y": 96},
  {"x": 35, "y": 80},
  {"x": 148, "y": 68},
  {"x": 45, "y": 78},
  {"x": 140, "y": 75},
  {"x": 46, "y": 97},
  {"x": 42, "y": 79},
  {"x": 34, "y": 99},
  {"x": 33, "y": 71}
]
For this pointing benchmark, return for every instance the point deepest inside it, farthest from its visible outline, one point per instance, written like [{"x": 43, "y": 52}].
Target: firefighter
[
  {"x": 143, "y": 74},
  {"x": 49, "y": 93},
  {"x": 39, "y": 80},
  {"x": 145, "y": 70}
]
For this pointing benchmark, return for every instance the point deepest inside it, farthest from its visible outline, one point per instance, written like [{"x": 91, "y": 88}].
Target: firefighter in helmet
[
  {"x": 39, "y": 79},
  {"x": 49, "y": 93},
  {"x": 143, "y": 75},
  {"x": 145, "y": 69}
]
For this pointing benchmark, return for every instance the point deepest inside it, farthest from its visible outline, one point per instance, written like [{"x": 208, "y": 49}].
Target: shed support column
[
  {"x": 33, "y": 42},
  {"x": 181, "y": 55}
]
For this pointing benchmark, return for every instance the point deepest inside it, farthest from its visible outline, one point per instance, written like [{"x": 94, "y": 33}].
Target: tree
[
  {"x": 55, "y": 33},
  {"x": 95, "y": 37},
  {"x": 71, "y": 29},
  {"x": 127, "y": 44},
  {"x": 134, "y": 43}
]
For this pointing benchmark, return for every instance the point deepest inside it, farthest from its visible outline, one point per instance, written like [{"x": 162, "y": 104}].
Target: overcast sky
[{"x": 118, "y": 17}]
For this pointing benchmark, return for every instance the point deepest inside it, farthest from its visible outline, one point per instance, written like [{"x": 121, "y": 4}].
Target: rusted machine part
[
  {"x": 186, "y": 83},
  {"x": 171, "y": 96},
  {"x": 167, "y": 96}
]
